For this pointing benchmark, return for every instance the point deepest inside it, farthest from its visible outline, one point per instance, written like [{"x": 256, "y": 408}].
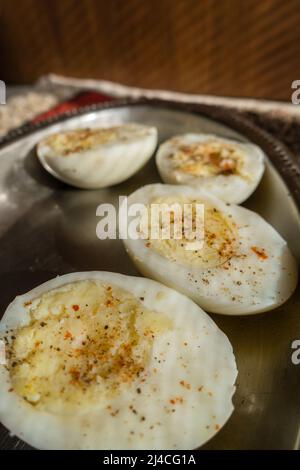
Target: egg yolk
[
  {"x": 80, "y": 140},
  {"x": 86, "y": 341},
  {"x": 219, "y": 236},
  {"x": 210, "y": 158}
]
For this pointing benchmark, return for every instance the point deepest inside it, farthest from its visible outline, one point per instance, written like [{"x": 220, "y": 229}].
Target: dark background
[{"x": 223, "y": 47}]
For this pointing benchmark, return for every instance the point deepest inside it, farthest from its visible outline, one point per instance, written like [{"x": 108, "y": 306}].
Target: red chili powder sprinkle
[
  {"x": 185, "y": 384},
  {"x": 176, "y": 400},
  {"x": 68, "y": 334},
  {"x": 260, "y": 252}
]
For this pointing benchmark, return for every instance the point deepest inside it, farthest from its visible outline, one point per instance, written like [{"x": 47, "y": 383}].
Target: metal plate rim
[{"x": 285, "y": 162}]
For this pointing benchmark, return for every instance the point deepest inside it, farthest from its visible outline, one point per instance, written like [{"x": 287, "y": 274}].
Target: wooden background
[{"x": 224, "y": 47}]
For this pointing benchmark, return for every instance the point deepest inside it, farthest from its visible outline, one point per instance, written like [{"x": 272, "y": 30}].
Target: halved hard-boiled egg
[
  {"x": 242, "y": 266},
  {"x": 99, "y": 360},
  {"x": 228, "y": 169},
  {"x": 99, "y": 157}
]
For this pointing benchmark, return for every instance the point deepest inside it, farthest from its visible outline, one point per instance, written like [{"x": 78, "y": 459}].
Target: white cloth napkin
[{"x": 53, "y": 81}]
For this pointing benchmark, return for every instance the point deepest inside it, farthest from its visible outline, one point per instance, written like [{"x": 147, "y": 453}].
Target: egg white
[
  {"x": 248, "y": 283},
  {"x": 233, "y": 188},
  {"x": 194, "y": 350},
  {"x": 100, "y": 164}
]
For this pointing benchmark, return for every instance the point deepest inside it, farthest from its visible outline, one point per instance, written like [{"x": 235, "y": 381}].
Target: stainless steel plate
[{"x": 48, "y": 228}]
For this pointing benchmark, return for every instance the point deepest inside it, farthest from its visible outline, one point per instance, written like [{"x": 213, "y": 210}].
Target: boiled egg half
[
  {"x": 243, "y": 265},
  {"x": 228, "y": 169},
  {"x": 99, "y": 360},
  {"x": 98, "y": 157}
]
